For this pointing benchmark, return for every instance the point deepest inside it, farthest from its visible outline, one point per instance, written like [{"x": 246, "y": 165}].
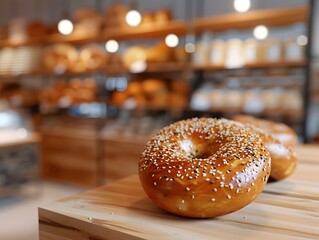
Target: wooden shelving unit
[
  {"x": 29, "y": 42},
  {"x": 109, "y": 70},
  {"x": 271, "y": 18},
  {"x": 282, "y": 113},
  {"x": 268, "y": 17},
  {"x": 151, "y": 68},
  {"x": 147, "y": 32},
  {"x": 142, "y": 32},
  {"x": 252, "y": 66}
]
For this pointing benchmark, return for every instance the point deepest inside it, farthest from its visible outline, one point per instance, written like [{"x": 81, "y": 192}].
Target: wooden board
[
  {"x": 260, "y": 65},
  {"x": 250, "y": 19},
  {"x": 287, "y": 209}
]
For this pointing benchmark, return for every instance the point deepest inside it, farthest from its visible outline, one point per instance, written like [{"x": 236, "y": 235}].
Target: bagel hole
[
  {"x": 200, "y": 150},
  {"x": 202, "y": 153}
]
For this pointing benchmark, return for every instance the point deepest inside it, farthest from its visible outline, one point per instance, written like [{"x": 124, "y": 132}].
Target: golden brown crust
[
  {"x": 279, "y": 131},
  {"x": 279, "y": 139},
  {"x": 204, "y": 167}
]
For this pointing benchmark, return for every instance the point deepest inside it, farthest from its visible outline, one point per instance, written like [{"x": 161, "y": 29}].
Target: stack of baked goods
[
  {"x": 67, "y": 93},
  {"x": 204, "y": 167},
  {"x": 114, "y": 16},
  {"x": 18, "y": 96},
  {"x": 61, "y": 58},
  {"x": 87, "y": 22},
  {"x": 160, "y": 53},
  {"x": 20, "y": 60},
  {"x": 19, "y": 30},
  {"x": 37, "y": 29},
  {"x": 153, "y": 93},
  {"x": 160, "y": 17}
]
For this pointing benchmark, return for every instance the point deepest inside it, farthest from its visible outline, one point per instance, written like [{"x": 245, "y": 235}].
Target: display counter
[
  {"x": 286, "y": 209},
  {"x": 19, "y": 151},
  {"x": 30, "y": 138},
  {"x": 71, "y": 151}
]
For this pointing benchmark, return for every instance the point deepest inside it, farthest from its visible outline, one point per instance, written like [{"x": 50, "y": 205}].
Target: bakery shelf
[
  {"x": 146, "y": 31},
  {"x": 29, "y": 42},
  {"x": 74, "y": 73},
  {"x": 19, "y": 75},
  {"x": 108, "y": 69},
  {"x": 269, "y": 17},
  {"x": 142, "y": 32},
  {"x": 283, "y": 64},
  {"x": 151, "y": 68},
  {"x": 166, "y": 67},
  {"x": 289, "y": 113},
  {"x": 71, "y": 39},
  {"x": 129, "y": 33},
  {"x": 48, "y": 74}
]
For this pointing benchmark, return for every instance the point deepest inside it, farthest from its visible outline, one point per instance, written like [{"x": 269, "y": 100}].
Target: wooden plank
[
  {"x": 141, "y": 32},
  {"x": 287, "y": 209},
  {"x": 261, "y": 65},
  {"x": 292, "y": 114},
  {"x": 268, "y": 17},
  {"x": 147, "y": 31},
  {"x": 29, "y": 42}
]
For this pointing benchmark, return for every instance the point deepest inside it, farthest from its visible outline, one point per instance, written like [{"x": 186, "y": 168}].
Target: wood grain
[
  {"x": 70, "y": 159},
  {"x": 287, "y": 209},
  {"x": 120, "y": 158}
]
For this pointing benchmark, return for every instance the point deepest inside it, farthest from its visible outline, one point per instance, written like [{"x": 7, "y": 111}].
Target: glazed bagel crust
[
  {"x": 279, "y": 131},
  {"x": 279, "y": 140},
  {"x": 204, "y": 167}
]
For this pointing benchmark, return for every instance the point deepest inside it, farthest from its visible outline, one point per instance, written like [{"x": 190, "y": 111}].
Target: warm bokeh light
[
  {"x": 171, "y": 40},
  {"x": 242, "y": 5},
  {"x": 138, "y": 66},
  {"x": 302, "y": 40},
  {"x": 261, "y": 32},
  {"x": 189, "y": 47},
  {"x": 133, "y": 18},
  {"x": 112, "y": 46},
  {"x": 65, "y": 27}
]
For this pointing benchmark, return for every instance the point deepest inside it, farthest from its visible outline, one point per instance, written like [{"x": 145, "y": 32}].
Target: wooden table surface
[{"x": 287, "y": 209}]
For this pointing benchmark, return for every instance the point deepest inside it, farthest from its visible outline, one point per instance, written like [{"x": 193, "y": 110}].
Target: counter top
[
  {"x": 288, "y": 209},
  {"x": 15, "y": 141}
]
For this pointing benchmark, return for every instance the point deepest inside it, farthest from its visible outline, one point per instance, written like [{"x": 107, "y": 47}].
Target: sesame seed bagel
[
  {"x": 280, "y": 131},
  {"x": 204, "y": 167},
  {"x": 279, "y": 140}
]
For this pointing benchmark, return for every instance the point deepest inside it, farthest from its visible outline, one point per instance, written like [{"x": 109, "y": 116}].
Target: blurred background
[{"x": 84, "y": 84}]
